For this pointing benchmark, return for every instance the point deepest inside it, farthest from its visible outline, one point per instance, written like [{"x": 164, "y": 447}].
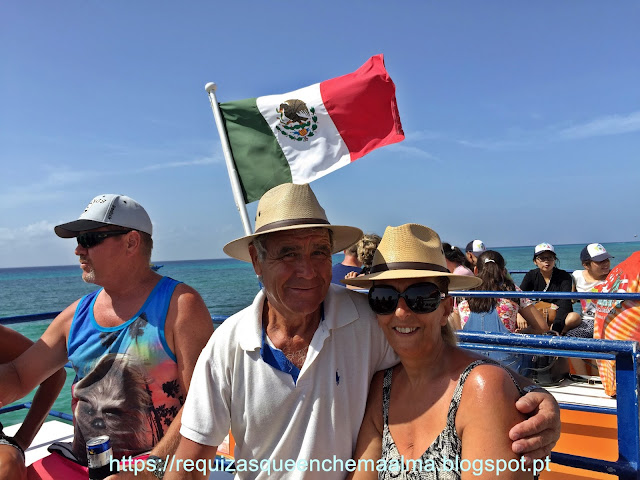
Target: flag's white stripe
[{"x": 321, "y": 154}]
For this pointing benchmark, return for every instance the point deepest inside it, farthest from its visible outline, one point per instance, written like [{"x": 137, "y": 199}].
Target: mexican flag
[{"x": 303, "y": 135}]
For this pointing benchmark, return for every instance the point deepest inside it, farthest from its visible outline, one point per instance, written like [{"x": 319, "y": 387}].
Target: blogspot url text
[{"x": 476, "y": 466}]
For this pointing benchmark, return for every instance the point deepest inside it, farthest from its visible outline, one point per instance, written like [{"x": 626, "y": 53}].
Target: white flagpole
[{"x": 231, "y": 168}]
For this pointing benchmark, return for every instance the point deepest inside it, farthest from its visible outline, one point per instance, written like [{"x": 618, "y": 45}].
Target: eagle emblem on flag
[{"x": 297, "y": 121}]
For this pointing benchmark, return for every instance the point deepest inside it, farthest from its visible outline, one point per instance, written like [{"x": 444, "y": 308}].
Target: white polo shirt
[{"x": 278, "y": 425}]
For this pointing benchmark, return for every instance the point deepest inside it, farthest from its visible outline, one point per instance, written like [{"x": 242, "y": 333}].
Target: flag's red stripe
[{"x": 363, "y": 107}]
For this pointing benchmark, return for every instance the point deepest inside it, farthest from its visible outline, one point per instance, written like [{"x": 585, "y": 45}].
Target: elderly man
[
  {"x": 133, "y": 343},
  {"x": 290, "y": 373}
]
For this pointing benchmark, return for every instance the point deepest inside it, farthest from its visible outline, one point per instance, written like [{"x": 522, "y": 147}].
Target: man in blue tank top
[{"x": 133, "y": 343}]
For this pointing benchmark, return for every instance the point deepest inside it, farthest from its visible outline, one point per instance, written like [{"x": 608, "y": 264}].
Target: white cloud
[
  {"x": 413, "y": 151},
  {"x": 606, "y": 125},
  {"x": 188, "y": 163},
  {"x": 38, "y": 230},
  {"x": 516, "y": 139}
]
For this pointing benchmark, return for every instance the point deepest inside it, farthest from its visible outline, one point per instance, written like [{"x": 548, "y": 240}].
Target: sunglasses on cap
[
  {"x": 420, "y": 298},
  {"x": 91, "y": 239}
]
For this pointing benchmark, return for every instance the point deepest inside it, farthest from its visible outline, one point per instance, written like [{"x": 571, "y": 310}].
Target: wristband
[
  {"x": 159, "y": 466},
  {"x": 532, "y": 387},
  {"x": 12, "y": 441}
]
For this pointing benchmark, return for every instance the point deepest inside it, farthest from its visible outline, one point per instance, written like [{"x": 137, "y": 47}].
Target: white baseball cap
[
  {"x": 543, "y": 247},
  {"x": 476, "y": 247},
  {"x": 108, "y": 209},
  {"x": 595, "y": 252}
]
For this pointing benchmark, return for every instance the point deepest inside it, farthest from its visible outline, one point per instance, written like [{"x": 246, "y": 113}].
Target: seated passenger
[
  {"x": 474, "y": 249},
  {"x": 491, "y": 270},
  {"x": 12, "y": 466},
  {"x": 367, "y": 247},
  {"x": 617, "y": 319},
  {"x": 350, "y": 263},
  {"x": 441, "y": 400},
  {"x": 548, "y": 278},
  {"x": 596, "y": 261},
  {"x": 456, "y": 260}
]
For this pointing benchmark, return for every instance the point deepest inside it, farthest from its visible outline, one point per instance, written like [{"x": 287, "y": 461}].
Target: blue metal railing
[{"x": 624, "y": 353}]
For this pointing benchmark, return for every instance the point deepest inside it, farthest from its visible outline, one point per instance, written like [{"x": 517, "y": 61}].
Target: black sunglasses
[
  {"x": 91, "y": 239},
  {"x": 420, "y": 298}
]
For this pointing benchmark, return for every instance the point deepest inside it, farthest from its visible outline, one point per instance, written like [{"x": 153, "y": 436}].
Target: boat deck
[{"x": 591, "y": 434}]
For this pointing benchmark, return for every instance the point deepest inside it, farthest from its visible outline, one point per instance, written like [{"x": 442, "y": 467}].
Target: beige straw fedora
[
  {"x": 289, "y": 207},
  {"x": 411, "y": 251}
]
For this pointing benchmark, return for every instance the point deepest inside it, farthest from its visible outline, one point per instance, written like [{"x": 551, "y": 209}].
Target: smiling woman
[{"x": 444, "y": 399}]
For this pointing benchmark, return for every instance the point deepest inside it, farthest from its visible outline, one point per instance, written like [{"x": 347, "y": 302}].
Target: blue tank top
[{"x": 126, "y": 383}]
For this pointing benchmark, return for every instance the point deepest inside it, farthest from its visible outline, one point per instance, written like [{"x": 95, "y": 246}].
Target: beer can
[{"x": 99, "y": 455}]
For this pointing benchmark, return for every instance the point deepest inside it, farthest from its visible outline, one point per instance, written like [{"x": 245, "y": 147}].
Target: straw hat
[
  {"x": 290, "y": 207},
  {"x": 411, "y": 251}
]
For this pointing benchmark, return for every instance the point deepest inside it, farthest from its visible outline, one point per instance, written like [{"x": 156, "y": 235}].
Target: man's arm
[
  {"x": 189, "y": 449},
  {"x": 39, "y": 362},
  {"x": 187, "y": 330}
]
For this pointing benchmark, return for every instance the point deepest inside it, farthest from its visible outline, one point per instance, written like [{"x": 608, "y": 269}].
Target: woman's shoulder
[
  {"x": 489, "y": 381},
  {"x": 462, "y": 270}
]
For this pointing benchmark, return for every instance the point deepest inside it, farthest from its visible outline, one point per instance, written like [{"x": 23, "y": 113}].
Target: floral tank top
[{"x": 445, "y": 448}]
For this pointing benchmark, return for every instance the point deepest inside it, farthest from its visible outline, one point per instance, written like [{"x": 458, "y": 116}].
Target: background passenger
[
  {"x": 491, "y": 270},
  {"x": 366, "y": 249},
  {"x": 441, "y": 400},
  {"x": 597, "y": 265},
  {"x": 350, "y": 263},
  {"x": 474, "y": 249},
  {"x": 548, "y": 278},
  {"x": 456, "y": 260}
]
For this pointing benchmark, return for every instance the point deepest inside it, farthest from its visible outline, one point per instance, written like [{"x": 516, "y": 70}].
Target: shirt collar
[{"x": 339, "y": 310}]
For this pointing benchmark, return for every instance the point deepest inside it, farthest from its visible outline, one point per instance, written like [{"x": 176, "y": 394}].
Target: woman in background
[
  {"x": 491, "y": 269},
  {"x": 549, "y": 278},
  {"x": 455, "y": 260},
  {"x": 366, "y": 249}
]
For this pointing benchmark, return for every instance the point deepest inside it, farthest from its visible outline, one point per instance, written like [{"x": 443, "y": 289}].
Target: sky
[{"x": 522, "y": 119}]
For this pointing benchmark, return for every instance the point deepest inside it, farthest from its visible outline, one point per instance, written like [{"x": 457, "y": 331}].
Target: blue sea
[{"x": 226, "y": 285}]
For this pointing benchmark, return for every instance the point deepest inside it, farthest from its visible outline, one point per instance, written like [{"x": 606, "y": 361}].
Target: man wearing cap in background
[
  {"x": 617, "y": 319},
  {"x": 290, "y": 373},
  {"x": 474, "y": 249},
  {"x": 133, "y": 343},
  {"x": 597, "y": 265}
]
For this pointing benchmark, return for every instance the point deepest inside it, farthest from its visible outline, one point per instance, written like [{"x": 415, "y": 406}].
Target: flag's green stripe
[{"x": 259, "y": 159}]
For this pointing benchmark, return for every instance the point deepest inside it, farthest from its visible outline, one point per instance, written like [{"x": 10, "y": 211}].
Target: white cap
[
  {"x": 543, "y": 247},
  {"x": 108, "y": 209},
  {"x": 595, "y": 252},
  {"x": 476, "y": 247}
]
